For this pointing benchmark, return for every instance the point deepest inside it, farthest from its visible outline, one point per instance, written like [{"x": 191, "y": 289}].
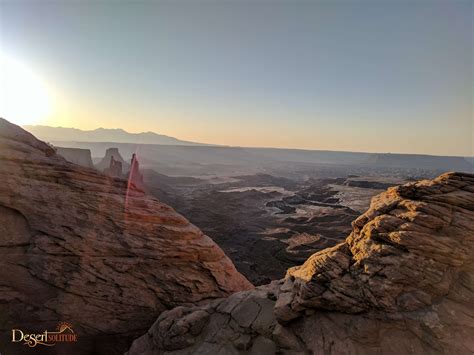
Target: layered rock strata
[{"x": 401, "y": 283}]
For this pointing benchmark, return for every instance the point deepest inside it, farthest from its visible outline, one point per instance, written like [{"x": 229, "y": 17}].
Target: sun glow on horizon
[{"x": 24, "y": 97}]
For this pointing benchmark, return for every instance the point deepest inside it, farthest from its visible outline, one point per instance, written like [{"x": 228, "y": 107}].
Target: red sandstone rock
[
  {"x": 78, "y": 246},
  {"x": 135, "y": 177}
]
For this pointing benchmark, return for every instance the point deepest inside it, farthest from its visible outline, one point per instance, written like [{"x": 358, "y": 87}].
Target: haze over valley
[
  {"x": 236, "y": 177},
  {"x": 269, "y": 209},
  {"x": 282, "y": 254}
]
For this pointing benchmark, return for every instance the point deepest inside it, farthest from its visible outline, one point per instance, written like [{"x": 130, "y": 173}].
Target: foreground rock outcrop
[
  {"x": 401, "y": 283},
  {"x": 81, "y": 247}
]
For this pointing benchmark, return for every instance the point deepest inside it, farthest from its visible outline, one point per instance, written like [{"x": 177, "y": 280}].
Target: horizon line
[{"x": 215, "y": 145}]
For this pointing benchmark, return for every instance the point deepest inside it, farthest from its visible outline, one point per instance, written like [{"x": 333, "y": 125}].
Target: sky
[{"x": 355, "y": 75}]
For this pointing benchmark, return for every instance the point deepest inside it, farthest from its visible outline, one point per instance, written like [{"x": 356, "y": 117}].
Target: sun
[{"x": 24, "y": 97}]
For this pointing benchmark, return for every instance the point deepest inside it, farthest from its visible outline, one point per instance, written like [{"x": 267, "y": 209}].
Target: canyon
[
  {"x": 345, "y": 259},
  {"x": 267, "y": 214},
  {"x": 401, "y": 283},
  {"x": 236, "y": 177}
]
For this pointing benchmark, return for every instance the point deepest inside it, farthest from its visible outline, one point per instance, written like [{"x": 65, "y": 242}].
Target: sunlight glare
[{"x": 24, "y": 97}]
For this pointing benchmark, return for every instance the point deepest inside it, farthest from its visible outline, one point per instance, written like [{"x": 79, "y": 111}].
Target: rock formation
[
  {"x": 401, "y": 283},
  {"x": 135, "y": 177},
  {"x": 78, "y": 246},
  {"x": 114, "y": 169},
  {"x": 76, "y": 155},
  {"x": 109, "y": 154}
]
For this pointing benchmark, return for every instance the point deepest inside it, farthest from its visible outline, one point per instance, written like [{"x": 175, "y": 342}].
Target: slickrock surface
[
  {"x": 76, "y": 246},
  {"x": 401, "y": 283}
]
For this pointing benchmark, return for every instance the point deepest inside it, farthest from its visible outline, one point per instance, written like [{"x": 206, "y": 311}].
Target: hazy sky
[{"x": 386, "y": 76}]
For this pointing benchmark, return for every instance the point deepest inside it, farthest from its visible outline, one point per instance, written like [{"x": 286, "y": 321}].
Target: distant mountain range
[
  {"x": 172, "y": 156},
  {"x": 54, "y": 134}
]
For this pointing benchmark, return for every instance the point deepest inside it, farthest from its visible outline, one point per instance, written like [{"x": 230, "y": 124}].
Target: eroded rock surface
[
  {"x": 401, "y": 283},
  {"x": 81, "y": 247}
]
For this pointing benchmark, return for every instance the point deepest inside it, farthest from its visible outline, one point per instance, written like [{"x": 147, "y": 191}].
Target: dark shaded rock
[
  {"x": 368, "y": 184},
  {"x": 294, "y": 200},
  {"x": 281, "y": 205}
]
